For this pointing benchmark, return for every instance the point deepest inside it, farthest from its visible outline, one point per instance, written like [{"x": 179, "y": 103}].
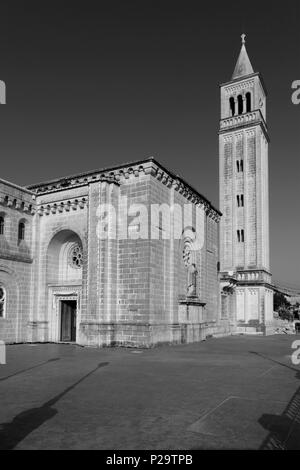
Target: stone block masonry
[{"x": 125, "y": 291}]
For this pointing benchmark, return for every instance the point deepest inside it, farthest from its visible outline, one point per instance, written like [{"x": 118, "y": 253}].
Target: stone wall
[
  {"x": 16, "y": 257},
  {"x": 128, "y": 289}
]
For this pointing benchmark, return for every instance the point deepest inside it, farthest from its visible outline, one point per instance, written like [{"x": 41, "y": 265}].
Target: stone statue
[{"x": 192, "y": 280}]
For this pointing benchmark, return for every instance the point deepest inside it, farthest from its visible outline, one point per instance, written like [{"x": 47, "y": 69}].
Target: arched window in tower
[
  {"x": 240, "y": 236},
  {"x": 240, "y": 104},
  {"x": 2, "y": 225},
  {"x": 248, "y": 102},
  {"x": 21, "y": 231},
  {"x": 232, "y": 106},
  {"x": 2, "y": 302},
  {"x": 242, "y": 165},
  {"x": 238, "y": 166}
]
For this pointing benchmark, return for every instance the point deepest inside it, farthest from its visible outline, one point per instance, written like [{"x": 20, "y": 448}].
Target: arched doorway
[{"x": 64, "y": 281}]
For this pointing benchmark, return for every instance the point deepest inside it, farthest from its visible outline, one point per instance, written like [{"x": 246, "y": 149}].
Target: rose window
[{"x": 75, "y": 256}]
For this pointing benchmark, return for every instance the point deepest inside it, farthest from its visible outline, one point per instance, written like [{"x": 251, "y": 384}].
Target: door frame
[
  {"x": 56, "y": 294},
  {"x": 65, "y": 299}
]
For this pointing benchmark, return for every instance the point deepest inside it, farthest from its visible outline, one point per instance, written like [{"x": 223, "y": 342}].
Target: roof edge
[
  {"x": 16, "y": 186},
  {"x": 124, "y": 165}
]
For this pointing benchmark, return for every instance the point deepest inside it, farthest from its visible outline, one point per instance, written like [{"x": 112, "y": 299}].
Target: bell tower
[{"x": 244, "y": 196}]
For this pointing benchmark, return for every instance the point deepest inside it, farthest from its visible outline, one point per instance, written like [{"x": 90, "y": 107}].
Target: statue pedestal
[
  {"x": 190, "y": 309},
  {"x": 191, "y": 319}
]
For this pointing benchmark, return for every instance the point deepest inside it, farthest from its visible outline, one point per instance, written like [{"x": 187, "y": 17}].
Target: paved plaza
[{"x": 230, "y": 393}]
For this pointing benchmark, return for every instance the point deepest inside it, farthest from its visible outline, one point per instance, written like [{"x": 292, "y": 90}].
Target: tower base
[{"x": 254, "y": 309}]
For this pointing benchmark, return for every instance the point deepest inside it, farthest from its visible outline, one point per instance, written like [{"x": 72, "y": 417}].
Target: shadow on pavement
[
  {"x": 275, "y": 362},
  {"x": 29, "y": 368},
  {"x": 26, "y": 422},
  {"x": 284, "y": 430}
]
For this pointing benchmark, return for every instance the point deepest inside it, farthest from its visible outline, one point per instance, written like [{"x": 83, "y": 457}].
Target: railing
[
  {"x": 242, "y": 119},
  {"x": 247, "y": 276}
]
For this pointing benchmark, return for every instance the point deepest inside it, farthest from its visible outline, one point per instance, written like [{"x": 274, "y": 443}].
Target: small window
[
  {"x": 21, "y": 232},
  {"x": 248, "y": 102},
  {"x": 240, "y": 200},
  {"x": 240, "y": 104},
  {"x": 240, "y": 236},
  {"x": 239, "y": 166},
  {"x": 2, "y": 302},
  {"x": 1, "y": 225},
  {"x": 232, "y": 106}
]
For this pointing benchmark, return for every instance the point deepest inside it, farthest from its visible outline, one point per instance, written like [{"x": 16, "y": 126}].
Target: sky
[{"x": 94, "y": 84}]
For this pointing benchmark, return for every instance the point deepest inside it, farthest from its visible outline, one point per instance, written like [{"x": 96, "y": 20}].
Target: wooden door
[{"x": 68, "y": 320}]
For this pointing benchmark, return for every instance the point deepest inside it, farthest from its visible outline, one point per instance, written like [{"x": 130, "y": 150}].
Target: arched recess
[
  {"x": 248, "y": 102},
  {"x": 64, "y": 259},
  {"x": 23, "y": 234},
  {"x": 240, "y": 104},
  {"x": 64, "y": 266},
  {"x": 10, "y": 323},
  {"x": 4, "y": 232},
  {"x": 190, "y": 247},
  {"x": 232, "y": 105},
  {"x": 3, "y": 221}
]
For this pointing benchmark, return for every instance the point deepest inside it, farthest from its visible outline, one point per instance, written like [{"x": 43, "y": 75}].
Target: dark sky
[{"x": 93, "y": 84}]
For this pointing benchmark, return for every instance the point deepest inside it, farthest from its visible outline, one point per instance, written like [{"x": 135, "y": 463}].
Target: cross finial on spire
[{"x": 243, "y": 65}]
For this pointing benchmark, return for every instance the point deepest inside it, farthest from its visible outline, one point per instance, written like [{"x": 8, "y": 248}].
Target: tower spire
[{"x": 243, "y": 65}]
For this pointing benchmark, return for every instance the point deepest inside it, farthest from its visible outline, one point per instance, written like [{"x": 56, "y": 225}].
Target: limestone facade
[{"x": 63, "y": 282}]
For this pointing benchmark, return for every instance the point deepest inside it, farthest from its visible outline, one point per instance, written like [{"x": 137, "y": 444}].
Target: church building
[{"x": 133, "y": 255}]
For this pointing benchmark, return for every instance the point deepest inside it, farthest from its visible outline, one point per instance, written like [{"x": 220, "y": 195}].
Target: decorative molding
[
  {"x": 16, "y": 257},
  {"x": 17, "y": 204},
  {"x": 228, "y": 138},
  {"x": 63, "y": 206},
  {"x": 238, "y": 136},
  {"x": 235, "y": 88},
  {"x": 244, "y": 121},
  {"x": 195, "y": 300},
  {"x": 72, "y": 182},
  {"x": 250, "y": 132},
  {"x": 253, "y": 291}
]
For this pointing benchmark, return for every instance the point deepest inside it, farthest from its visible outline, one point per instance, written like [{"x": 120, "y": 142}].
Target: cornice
[
  {"x": 62, "y": 206},
  {"x": 245, "y": 78},
  {"x": 17, "y": 203},
  {"x": 244, "y": 121},
  {"x": 120, "y": 174},
  {"x": 67, "y": 183},
  {"x": 15, "y": 186},
  {"x": 16, "y": 257}
]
